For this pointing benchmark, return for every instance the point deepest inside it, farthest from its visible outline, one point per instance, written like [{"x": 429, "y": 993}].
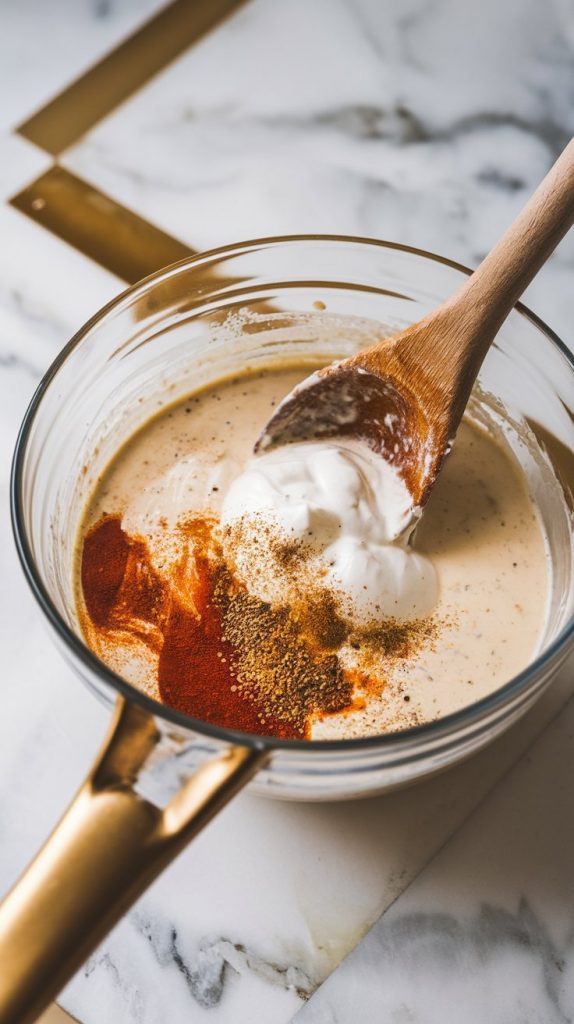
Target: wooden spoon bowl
[{"x": 348, "y": 400}]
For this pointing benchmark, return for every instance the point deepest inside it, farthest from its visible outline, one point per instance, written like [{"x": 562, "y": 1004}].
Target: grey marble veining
[
  {"x": 205, "y": 966},
  {"x": 425, "y": 123}
]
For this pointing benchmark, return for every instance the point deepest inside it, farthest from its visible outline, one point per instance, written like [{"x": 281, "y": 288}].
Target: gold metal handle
[{"x": 108, "y": 847}]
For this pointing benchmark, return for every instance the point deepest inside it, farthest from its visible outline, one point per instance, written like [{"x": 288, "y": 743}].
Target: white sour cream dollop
[{"x": 350, "y": 509}]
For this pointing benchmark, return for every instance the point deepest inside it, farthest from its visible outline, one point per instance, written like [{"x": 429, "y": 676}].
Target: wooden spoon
[{"x": 405, "y": 396}]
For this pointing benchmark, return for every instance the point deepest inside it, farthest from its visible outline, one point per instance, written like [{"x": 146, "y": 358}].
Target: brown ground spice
[
  {"x": 317, "y": 616},
  {"x": 274, "y": 665},
  {"x": 228, "y": 657},
  {"x": 395, "y": 640}
]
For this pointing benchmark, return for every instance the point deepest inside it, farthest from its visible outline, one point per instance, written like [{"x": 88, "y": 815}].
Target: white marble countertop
[{"x": 421, "y": 121}]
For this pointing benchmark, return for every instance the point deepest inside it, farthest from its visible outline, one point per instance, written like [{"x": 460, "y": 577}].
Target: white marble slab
[
  {"x": 424, "y": 123},
  {"x": 419, "y": 122},
  {"x": 486, "y": 933},
  {"x": 20, "y": 162}
]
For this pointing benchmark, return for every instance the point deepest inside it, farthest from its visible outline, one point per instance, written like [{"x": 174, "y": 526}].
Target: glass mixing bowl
[{"x": 304, "y": 299}]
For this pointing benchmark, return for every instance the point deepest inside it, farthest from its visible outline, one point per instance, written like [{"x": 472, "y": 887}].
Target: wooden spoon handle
[{"x": 491, "y": 292}]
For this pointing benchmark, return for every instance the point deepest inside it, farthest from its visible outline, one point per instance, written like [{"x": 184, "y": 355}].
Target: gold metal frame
[
  {"x": 98, "y": 226},
  {"x": 107, "y": 849},
  {"x": 111, "y": 234},
  {"x": 166, "y": 35}
]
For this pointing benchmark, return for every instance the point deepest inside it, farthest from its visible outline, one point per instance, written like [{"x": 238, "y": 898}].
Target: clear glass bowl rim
[{"x": 452, "y": 723}]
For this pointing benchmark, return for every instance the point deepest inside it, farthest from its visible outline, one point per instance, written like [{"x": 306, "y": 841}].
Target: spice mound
[{"x": 172, "y": 609}]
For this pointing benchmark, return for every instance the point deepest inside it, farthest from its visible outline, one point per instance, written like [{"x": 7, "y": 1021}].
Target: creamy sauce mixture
[{"x": 480, "y": 531}]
